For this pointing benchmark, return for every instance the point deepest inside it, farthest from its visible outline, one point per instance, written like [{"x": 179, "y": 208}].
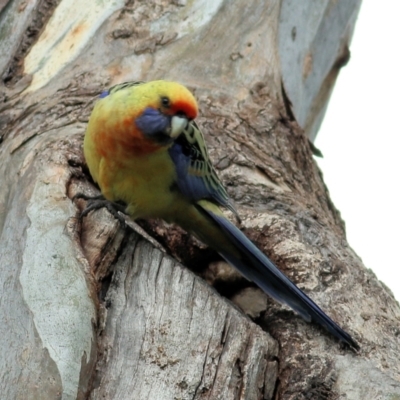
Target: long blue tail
[{"x": 256, "y": 267}]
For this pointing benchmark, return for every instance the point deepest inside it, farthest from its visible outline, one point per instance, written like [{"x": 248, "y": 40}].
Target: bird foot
[{"x": 98, "y": 202}]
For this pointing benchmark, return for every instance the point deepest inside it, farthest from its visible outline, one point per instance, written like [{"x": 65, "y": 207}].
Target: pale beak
[{"x": 178, "y": 125}]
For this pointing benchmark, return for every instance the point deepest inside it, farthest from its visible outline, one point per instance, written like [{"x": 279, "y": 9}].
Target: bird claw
[
  {"x": 87, "y": 197},
  {"x": 97, "y": 202}
]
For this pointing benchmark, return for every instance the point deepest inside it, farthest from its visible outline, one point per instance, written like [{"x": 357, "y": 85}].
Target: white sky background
[{"x": 360, "y": 141}]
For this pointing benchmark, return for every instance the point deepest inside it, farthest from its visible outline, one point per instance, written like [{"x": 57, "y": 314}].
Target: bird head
[{"x": 167, "y": 109}]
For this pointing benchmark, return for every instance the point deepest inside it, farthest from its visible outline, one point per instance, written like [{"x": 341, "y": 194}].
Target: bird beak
[{"x": 178, "y": 125}]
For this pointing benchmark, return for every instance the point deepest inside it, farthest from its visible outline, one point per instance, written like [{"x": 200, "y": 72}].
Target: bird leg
[
  {"x": 98, "y": 202},
  {"x": 114, "y": 208}
]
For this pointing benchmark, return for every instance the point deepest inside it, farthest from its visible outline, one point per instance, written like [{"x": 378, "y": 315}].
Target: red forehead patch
[{"x": 187, "y": 107}]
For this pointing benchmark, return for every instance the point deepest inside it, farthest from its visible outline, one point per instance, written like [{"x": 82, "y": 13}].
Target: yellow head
[
  {"x": 170, "y": 98},
  {"x": 141, "y": 117}
]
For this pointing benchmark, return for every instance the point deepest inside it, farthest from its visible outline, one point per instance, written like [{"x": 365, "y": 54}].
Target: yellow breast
[{"x": 143, "y": 182}]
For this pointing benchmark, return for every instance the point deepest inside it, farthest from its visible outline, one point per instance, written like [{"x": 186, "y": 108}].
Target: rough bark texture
[{"x": 91, "y": 309}]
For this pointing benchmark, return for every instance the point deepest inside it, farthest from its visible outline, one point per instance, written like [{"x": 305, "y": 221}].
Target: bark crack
[{"x": 39, "y": 17}]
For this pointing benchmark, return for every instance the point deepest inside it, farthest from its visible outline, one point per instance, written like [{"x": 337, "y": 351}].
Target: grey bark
[{"x": 92, "y": 309}]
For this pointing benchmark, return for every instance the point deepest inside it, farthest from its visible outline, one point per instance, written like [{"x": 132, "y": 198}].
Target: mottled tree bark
[{"x": 92, "y": 309}]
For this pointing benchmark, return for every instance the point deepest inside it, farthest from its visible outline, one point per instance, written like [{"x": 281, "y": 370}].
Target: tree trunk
[{"x": 93, "y": 310}]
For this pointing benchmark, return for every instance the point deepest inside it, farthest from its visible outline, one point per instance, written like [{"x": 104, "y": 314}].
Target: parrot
[{"x": 146, "y": 152}]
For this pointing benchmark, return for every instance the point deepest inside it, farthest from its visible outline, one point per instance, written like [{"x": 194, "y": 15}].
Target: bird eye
[{"x": 165, "y": 101}]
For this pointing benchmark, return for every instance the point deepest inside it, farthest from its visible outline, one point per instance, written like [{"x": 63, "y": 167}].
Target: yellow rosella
[{"x": 144, "y": 149}]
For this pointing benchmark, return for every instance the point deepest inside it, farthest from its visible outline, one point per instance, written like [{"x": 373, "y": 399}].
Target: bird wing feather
[{"x": 196, "y": 176}]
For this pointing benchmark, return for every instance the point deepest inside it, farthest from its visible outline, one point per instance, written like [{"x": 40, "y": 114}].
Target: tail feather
[{"x": 256, "y": 267}]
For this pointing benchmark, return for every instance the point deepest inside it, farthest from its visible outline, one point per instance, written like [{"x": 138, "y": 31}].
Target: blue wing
[
  {"x": 196, "y": 177},
  {"x": 197, "y": 180}
]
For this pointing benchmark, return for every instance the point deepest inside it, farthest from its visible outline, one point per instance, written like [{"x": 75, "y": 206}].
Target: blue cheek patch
[{"x": 154, "y": 124}]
